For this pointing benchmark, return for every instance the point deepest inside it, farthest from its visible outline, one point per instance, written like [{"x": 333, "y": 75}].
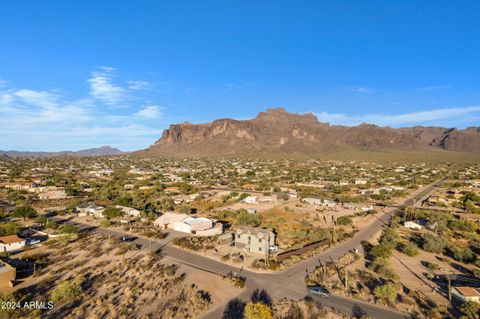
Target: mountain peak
[
  {"x": 276, "y": 131},
  {"x": 280, "y": 113}
]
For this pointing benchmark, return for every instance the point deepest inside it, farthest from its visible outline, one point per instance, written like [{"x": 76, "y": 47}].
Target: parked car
[
  {"x": 318, "y": 290},
  {"x": 32, "y": 241}
]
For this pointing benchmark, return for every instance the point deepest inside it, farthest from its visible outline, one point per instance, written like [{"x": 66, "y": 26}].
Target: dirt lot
[{"x": 115, "y": 279}]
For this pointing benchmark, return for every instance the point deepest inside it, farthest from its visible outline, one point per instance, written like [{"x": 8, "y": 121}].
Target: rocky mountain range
[
  {"x": 99, "y": 151},
  {"x": 278, "y": 132}
]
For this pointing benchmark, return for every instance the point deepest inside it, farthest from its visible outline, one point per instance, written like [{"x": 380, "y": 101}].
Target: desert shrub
[
  {"x": 462, "y": 225},
  {"x": 112, "y": 212},
  {"x": 431, "y": 266},
  {"x": 68, "y": 289},
  {"x": 68, "y": 229},
  {"x": 470, "y": 310},
  {"x": 9, "y": 228},
  {"x": 257, "y": 310},
  {"x": 381, "y": 251},
  {"x": 380, "y": 266},
  {"x": 409, "y": 249},
  {"x": 239, "y": 282},
  {"x": 386, "y": 292},
  {"x": 433, "y": 244},
  {"x": 244, "y": 218},
  {"x": 317, "y": 234},
  {"x": 344, "y": 220},
  {"x": 462, "y": 254},
  {"x": 389, "y": 238}
]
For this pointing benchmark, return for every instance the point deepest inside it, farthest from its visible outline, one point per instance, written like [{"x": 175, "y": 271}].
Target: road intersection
[{"x": 288, "y": 283}]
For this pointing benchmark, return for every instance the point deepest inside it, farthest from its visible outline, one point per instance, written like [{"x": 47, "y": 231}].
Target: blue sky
[{"x": 80, "y": 74}]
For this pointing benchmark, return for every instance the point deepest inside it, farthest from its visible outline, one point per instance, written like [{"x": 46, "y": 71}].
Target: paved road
[{"x": 288, "y": 283}]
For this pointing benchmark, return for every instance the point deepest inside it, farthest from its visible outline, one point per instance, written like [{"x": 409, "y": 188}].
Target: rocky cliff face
[{"x": 277, "y": 131}]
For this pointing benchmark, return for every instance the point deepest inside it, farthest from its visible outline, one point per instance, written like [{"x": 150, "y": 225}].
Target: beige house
[
  {"x": 255, "y": 240},
  {"x": 128, "y": 211},
  {"x": 7, "y": 275},
  {"x": 53, "y": 194},
  {"x": 466, "y": 293},
  {"x": 92, "y": 209}
]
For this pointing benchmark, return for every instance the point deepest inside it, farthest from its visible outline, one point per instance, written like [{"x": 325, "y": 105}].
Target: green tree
[
  {"x": 244, "y": 218},
  {"x": 257, "y": 310},
  {"x": 166, "y": 204},
  {"x": 125, "y": 201},
  {"x": 469, "y": 196},
  {"x": 14, "y": 196},
  {"x": 462, "y": 254},
  {"x": 433, "y": 244},
  {"x": 112, "y": 212},
  {"x": 68, "y": 289},
  {"x": 69, "y": 229},
  {"x": 387, "y": 292},
  {"x": 24, "y": 211},
  {"x": 381, "y": 251},
  {"x": 470, "y": 310},
  {"x": 9, "y": 228}
]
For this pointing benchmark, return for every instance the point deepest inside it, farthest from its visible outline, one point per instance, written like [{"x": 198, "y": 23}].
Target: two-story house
[{"x": 255, "y": 240}]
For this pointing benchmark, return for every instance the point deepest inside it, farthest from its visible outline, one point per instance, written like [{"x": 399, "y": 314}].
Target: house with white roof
[
  {"x": 198, "y": 226},
  {"x": 128, "y": 211},
  {"x": 93, "y": 209},
  {"x": 250, "y": 199},
  {"x": 413, "y": 224}
]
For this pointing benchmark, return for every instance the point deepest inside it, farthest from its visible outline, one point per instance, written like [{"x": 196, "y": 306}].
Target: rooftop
[
  {"x": 468, "y": 291},
  {"x": 10, "y": 239}
]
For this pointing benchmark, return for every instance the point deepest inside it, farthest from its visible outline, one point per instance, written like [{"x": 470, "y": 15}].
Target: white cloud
[
  {"x": 103, "y": 89},
  {"x": 231, "y": 86},
  {"x": 150, "y": 112},
  {"x": 5, "y": 98},
  {"x": 434, "y": 88},
  {"x": 138, "y": 85},
  {"x": 3, "y": 83},
  {"x": 37, "y": 98},
  {"x": 361, "y": 89},
  {"x": 47, "y": 120},
  {"x": 414, "y": 118}
]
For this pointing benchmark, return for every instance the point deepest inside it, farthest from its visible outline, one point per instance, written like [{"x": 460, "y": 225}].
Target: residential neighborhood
[{"x": 243, "y": 214}]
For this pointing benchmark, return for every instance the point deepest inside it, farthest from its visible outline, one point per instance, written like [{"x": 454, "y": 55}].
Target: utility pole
[
  {"x": 346, "y": 278},
  {"x": 449, "y": 276}
]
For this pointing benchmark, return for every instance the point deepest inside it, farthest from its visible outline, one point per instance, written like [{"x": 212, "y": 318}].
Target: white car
[
  {"x": 317, "y": 290},
  {"x": 32, "y": 241}
]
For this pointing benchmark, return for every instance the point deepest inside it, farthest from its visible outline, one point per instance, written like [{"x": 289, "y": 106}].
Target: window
[
  {"x": 259, "y": 240},
  {"x": 260, "y": 249}
]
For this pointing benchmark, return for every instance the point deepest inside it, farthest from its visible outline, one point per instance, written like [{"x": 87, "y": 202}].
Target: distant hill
[
  {"x": 99, "y": 151},
  {"x": 279, "y": 132}
]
